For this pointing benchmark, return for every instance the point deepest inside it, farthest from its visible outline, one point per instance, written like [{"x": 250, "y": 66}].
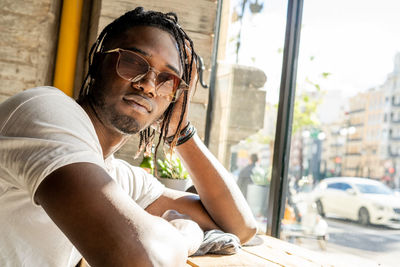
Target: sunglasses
[{"x": 133, "y": 68}]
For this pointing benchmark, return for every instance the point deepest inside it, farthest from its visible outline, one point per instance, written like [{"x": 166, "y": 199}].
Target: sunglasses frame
[{"x": 172, "y": 97}]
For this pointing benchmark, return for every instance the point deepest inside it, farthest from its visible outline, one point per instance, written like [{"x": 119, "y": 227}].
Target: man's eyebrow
[
  {"x": 173, "y": 69},
  {"x": 140, "y": 51}
]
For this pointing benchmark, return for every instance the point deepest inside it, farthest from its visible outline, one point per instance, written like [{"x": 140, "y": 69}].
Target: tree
[{"x": 307, "y": 100}]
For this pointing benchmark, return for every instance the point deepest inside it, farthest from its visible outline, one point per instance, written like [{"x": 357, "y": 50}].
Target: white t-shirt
[{"x": 41, "y": 130}]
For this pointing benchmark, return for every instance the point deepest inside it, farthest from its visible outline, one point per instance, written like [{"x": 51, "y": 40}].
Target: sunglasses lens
[
  {"x": 131, "y": 66},
  {"x": 166, "y": 83}
]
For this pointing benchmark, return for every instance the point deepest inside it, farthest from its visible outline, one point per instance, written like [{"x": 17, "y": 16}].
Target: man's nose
[{"x": 147, "y": 84}]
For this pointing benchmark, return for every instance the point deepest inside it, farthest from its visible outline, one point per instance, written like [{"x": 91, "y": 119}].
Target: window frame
[{"x": 280, "y": 164}]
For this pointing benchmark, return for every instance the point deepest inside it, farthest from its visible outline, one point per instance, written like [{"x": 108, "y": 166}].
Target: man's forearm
[
  {"x": 217, "y": 189},
  {"x": 104, "y": 223}
]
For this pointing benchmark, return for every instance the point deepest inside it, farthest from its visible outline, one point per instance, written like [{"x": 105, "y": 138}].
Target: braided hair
[{"x": 164, "y": 21}]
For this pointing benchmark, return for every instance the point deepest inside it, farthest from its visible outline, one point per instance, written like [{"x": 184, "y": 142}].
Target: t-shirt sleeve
[
  {"x": 143, "y": 187},
  {"x": 45, "y": 132}
]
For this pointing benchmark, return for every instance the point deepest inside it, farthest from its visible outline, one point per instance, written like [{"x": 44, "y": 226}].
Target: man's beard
[
  {"x": 123, "y": 123},
  {"x": 108, "y": 115}
]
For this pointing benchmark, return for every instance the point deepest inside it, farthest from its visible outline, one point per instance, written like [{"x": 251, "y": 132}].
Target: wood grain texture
[{"x": 273, "y": 252}]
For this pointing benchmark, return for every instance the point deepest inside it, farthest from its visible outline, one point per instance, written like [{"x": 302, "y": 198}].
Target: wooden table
[{"x": 272, "y": 252}]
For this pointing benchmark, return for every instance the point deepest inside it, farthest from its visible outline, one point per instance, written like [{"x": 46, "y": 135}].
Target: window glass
[
  {"x": 334, "y": 186},
  {"x": 249, "y": 64},
  {"x": 344, "y": 186},
  {"x": 374, "y": 189},
  {"x": 346, "y": 127}
]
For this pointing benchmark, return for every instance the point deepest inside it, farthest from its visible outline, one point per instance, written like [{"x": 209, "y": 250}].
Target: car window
[
  {"x": 374, "y": 189},
  {"x": 334, "y": 186},
  {"x": 344, "y": 186},
  {"x": 339, "y": 186}
]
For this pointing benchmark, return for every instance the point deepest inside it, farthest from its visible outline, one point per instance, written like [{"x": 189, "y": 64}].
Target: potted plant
[
  {"x": 258, "y": 192},
  {"x": 172, "y": 174}
]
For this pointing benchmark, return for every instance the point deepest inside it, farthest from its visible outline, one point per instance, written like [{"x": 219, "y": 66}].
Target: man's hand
[{"x": 190, "y": 230}]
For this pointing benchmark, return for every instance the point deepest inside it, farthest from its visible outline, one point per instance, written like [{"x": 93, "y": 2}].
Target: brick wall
[{"x": 28, "y": 36}]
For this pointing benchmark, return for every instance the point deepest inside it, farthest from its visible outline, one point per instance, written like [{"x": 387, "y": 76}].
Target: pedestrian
[{"x": 244, "y": 178}]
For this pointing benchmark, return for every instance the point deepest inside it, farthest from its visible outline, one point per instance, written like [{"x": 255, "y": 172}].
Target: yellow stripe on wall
[{"x": 67, "y": 48}]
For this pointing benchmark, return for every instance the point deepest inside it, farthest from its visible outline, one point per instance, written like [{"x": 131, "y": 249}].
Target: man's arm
[
  {"x": 104, "y": 223},
  {"x": 222, "y": 204}
]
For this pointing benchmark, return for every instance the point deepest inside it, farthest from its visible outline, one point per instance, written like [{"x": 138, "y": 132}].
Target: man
[
  {"x": 244, "y": 178},
  {"x": 62, "y": 193}
]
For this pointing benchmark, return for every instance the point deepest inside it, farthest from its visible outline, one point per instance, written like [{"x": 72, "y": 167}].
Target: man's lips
[{"x": 139, "y": 100}]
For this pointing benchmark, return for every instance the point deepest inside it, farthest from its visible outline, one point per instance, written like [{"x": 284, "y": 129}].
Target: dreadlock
[{"x": 167, "y": 22}]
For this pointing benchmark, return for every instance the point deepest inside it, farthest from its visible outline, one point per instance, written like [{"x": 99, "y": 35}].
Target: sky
[{"x": 353, "y": 40}]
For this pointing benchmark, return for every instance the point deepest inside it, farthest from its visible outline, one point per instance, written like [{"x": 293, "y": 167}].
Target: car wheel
[
  {"x": 363, "y": 216},
  {"x": 320, "y": 208}
]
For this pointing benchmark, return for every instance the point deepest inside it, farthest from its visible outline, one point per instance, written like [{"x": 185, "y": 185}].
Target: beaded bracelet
[{"x": 184, "y": 135}]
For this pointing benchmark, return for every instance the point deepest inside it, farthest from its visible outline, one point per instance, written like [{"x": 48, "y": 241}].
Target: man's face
[{"x": 128, "y": 107}]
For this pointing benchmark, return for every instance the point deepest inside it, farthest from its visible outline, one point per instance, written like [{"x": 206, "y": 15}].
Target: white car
[{"x": 360, "y": 199}]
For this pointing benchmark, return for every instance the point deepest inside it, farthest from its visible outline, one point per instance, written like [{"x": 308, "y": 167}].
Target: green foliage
[
  {"x": 306, "y": 104},
  {"x": 326, "y": 74},
  {"x": 305, "y": 112},
  {"x": 147, "y": 164},
  {"x": 261, "y": 177},
  {"x": 171, "y": 167},
  {"x": 259, "y": 138}
]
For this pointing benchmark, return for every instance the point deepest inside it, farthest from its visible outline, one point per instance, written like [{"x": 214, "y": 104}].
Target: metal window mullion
[
  {"x": 280, "y": 164},
  {"x": 214, "y": 56}
]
